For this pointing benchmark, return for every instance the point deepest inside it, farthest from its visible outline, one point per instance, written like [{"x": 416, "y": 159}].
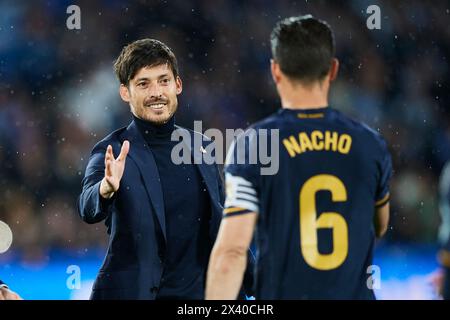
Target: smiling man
[{"x": 162, "y": 218}]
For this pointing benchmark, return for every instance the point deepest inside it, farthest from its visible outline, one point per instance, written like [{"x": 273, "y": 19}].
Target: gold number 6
[{"x": 309, "y": 223}]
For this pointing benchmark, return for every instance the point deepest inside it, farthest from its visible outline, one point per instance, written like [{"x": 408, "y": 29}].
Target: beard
[{"x": 151, "y": 112}]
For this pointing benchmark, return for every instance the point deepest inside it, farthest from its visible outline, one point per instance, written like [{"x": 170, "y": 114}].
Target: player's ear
[
  {"x": 275, "y": 70},
  {"x": 179, "y": 85},
  {"x": 334, "y": 69},
  {"x": 124, "y": 92}
]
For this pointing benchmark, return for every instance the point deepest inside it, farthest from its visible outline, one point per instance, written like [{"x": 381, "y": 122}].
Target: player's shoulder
[
  {"x": 273, "y": 121},
  {"x": 255, "y": 130},
  {"x": 263, "y": 126},
  {"x": 359, "y": 128}
]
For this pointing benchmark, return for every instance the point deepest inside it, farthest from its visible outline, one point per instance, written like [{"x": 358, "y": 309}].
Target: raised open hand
[{"x": 113, "y": 170}]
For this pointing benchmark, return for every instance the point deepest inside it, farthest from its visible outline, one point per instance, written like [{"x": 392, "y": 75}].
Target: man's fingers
[
  {"x": 124, "y": 150},
  {"x": 108, "y": 154},
  {"x": 108, "y": 169}
]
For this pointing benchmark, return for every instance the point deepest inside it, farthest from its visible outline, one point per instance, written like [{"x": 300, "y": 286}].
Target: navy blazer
[{"x": 135, "y": 217}]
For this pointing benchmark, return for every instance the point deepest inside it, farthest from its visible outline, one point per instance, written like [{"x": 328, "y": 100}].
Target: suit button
[{"x": 154, "y": 289}]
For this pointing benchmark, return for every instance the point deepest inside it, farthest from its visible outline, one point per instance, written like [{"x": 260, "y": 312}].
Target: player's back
[{"x": 315, "y": 232}]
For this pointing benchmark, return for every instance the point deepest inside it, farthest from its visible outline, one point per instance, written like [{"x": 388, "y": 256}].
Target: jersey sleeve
[
  {"x": 385, "y": 173},
  {"x": 242, "y": 176}
]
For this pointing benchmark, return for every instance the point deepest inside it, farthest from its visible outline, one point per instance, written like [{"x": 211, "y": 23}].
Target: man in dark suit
[
  {"x": 6, "y": 293},
  {"x": 162, "y": 217}
]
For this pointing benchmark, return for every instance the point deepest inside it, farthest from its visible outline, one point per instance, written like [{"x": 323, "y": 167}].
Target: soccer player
[{"x": 317, "y": 218}]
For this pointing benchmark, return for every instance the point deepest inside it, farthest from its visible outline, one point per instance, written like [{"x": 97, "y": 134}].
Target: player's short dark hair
[
  {"x": 143, "y": 53},
  {"x": 304, "y": 47}
]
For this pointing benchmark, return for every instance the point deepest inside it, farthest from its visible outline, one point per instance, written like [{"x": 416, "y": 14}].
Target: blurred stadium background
[{"x": 58, "y": 96}]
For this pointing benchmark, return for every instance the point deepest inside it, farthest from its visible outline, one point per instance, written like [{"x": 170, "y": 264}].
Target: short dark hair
[
  {"x": 304, "y": 47},
  {"x": 143, "y": 53}
]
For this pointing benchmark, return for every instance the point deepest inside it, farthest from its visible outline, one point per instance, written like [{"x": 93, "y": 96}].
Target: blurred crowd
[{"x": 59, "y": 95}]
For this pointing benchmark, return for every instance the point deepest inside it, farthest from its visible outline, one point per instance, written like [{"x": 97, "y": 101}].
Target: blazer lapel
[
  {"x": 207, "y": 171},
  {"x": 210, "y": 175},
  {"x": 142, "y": 155}
]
